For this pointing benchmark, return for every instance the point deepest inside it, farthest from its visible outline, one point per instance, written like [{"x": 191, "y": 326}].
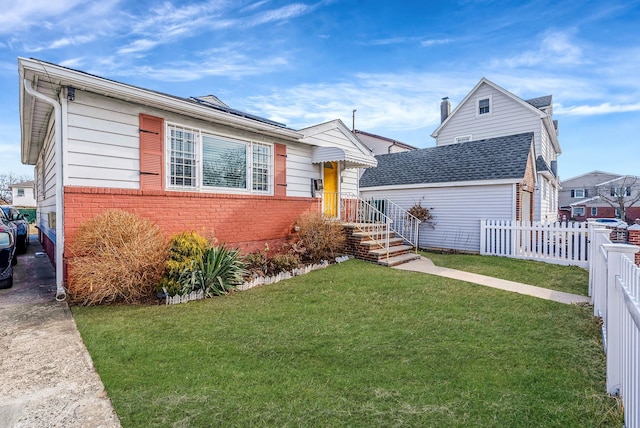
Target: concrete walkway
[
  {"x": 426, "y": 266},
  {"x": 47, "y": 378}
]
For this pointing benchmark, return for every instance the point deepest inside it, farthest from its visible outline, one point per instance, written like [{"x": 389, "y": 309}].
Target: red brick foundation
[{"x": 244, "y": 221}]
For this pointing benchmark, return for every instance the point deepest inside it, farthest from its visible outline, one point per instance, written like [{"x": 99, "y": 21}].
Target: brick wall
[{"x": 245, "y": 221}]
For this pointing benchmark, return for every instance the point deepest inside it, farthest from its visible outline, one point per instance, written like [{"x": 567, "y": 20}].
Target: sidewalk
[
  {"x": 47, "y": 378},
  {"x": 425, "y": 265}
]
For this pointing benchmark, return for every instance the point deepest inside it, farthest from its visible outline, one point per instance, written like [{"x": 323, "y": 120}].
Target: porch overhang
[{"x": 350, "y": 158}]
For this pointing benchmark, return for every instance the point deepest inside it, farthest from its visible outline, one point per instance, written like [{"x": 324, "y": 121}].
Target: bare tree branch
[{"x": 620, "y": 193}]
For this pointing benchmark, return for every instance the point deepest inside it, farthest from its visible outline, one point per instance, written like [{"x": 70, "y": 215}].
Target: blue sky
[{"x": 306, "y": 62}]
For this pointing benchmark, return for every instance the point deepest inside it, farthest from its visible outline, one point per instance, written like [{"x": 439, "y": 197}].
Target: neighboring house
[
  {"x": 379, "y": 145},
  {"x": 580, "y": 196},
  {"x": 489, "y": 111},
  {"x": 22, "y": 195},
  {"x": 185, "y": 163},
  {"x": 461, "y": 184}
]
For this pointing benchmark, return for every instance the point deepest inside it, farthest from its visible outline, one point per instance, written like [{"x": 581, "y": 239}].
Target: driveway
[{"x": 47, "y": 378}]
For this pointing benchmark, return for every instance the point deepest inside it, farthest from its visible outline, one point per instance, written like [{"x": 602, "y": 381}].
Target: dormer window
[{"x": 483, "y": 106}]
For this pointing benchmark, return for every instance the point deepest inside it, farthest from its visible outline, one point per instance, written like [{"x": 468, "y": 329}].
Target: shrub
[
  {"x": 284, "y": 263},
  {"x": 321, "y": 238},
  {"x": 217, "y": 272},
  {"x": 185, "y": 250},
  {"x": 420, "y": 212},
  {"x": 256, "y": 263},
  {"x": 116, "y": 257}
]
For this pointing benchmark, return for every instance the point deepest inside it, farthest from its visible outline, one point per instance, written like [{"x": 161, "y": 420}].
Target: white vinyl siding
[
  {"x": 456, "y": 211},
  {"x": 103, "y": 148},
  {"x": 45, "y": 173},
  {"x": 508, "y": 117}
]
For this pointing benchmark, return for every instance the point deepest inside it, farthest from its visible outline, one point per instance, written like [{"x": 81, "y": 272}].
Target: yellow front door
[{"x": 331, "y": 189}]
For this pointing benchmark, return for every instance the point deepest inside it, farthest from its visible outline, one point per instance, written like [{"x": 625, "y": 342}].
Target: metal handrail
[{"x": 367, "y": 217}]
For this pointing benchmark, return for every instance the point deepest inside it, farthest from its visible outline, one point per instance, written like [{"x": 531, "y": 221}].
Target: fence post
[
  {"x": 597, "y": 237},
  {"x": 613, "y": 317}
]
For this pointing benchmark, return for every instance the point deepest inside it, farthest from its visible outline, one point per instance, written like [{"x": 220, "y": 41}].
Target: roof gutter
[{"x": 61, "y": 293}]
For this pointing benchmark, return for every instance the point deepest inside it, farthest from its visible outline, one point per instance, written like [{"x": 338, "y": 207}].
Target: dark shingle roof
[
  {"x": 488, "y": 159},
  {"x": 540, "y": 102}
]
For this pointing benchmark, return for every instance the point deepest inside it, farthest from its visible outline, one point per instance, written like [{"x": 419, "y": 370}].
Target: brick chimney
[{"x": 445, "y": 109}]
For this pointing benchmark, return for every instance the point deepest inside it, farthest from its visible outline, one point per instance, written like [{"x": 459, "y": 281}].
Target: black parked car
[
  {"x": 7, "y": 256},
  {"x": 22, "y": 226}
]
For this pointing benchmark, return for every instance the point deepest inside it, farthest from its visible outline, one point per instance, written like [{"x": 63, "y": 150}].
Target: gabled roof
[
  {"x": 352, "y": 151},
  {"x": 21, "y": 185},
  {"x": 500, "y": 158},
  {"x": 486, "y": 81},
  {"x": 541, "y": 102},
  {"x": 390, "y": 140}
]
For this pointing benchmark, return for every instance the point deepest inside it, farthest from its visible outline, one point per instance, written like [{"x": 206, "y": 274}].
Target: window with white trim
[
  {"x": 578, "y": 193},
  {"x": 462, "y": 139},
  {"x": 198, "y": 160},
  {"x": 594, "y": 211},
  {"x": 20, "y": 192},
  {"x": 483, "y": 106},
  {"x": 578, "y": 211}
]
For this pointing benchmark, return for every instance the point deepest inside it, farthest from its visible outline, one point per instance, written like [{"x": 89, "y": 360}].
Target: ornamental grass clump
[
  {"x": 219, "y": 271},
  {"x": 321, "y": 238},
  {"x": 115, "y": 257}
]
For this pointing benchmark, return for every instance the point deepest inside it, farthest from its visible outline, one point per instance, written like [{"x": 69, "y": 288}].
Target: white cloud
[
  {"x": 387, "y": 101},
  {"x": 604, "y": 108},
  {"x": 555, "y": 49},
  {"x": 21, "y": 15},
  {"x": 435, "y": 42}
]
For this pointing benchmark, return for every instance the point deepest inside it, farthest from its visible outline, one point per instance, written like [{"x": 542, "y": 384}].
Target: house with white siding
[
  {"x": 379, "y": 145},
  {"x": 490, "y": 111},
  {"x": 460, "y": 184},
  {"x": 185, "y": 163},
  {"x": 495, "y": 158},
  {"x": 22, "y": 194}
]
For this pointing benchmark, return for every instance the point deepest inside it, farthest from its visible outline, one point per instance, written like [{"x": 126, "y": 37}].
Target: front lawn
[
  {"x": 357, "y": 345},
  {"x": 570, "y": 279}
]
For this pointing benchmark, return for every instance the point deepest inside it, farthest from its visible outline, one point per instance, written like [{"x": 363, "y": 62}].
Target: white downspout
[{"x": 61, "y": 293}]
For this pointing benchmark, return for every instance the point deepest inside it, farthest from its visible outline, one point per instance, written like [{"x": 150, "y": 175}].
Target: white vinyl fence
[
  {"x": 614, "y": 286},
  {"x": 558, "y": 243}
]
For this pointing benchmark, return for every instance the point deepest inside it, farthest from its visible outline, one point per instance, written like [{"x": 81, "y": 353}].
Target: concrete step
[
  {"x": 382, "y": 242},
  {"x": 398, "y": 260},
  {"x": 395, "y": 250}
]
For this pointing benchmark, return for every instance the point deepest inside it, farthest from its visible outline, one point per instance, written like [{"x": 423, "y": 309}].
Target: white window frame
[
  {"x": 575, "y": 193},
  {"x": 490, "y": 112},
  {"x": 199, "y": 134},
  {"x": 575, "y": 210},
  {"x": 594, "y": 211},
  {"x": 462, "y": 139}
]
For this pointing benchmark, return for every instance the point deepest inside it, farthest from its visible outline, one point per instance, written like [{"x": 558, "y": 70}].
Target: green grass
[
  {"x": 353, "y": 345},
  {"x": 570, "y": 279}
]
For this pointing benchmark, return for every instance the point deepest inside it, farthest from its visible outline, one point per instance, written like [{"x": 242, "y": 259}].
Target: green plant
[
  {"x": 115, "y": 257},
  {"x": 321, "y": 238},
  {"x": 284, "y": 262},
  {"x": 185, "y": 249},
  {"x": 217, "y": 272},
  {"x": 256, "y": 263}
]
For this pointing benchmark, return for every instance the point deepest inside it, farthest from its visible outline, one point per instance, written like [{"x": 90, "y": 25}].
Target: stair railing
[
  {"x": 405, "y": 224},
  {"x": 364, "y": 217}
]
